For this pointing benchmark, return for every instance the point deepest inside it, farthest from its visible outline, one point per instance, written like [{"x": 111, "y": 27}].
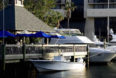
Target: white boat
[
  {"x": 101, "y": 55},
  {"x": 58, "y": 65},
  {"x": 113, "y": 41},
  {"x": 72, "y": 36},
  {"x": 104, "y": 56}
]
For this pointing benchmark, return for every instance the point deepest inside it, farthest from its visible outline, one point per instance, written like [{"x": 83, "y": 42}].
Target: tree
[
  {"x": 59, "y": 18},
  {"x": 43, "y": 10},
  {"x": 54, "y": 18},
  {"x": 69, "y": 7},
  {"x": 1, "y": 3}
]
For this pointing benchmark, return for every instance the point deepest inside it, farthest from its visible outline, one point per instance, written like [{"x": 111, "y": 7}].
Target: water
[{"x": 94, "y": 71}]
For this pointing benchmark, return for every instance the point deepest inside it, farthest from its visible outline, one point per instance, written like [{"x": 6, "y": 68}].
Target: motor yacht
[{"x": 73, "y": 36}]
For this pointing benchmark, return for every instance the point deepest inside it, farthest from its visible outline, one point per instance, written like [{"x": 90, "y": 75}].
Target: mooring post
[
  {"x": 42, "y": 51},
  {"x": 74, "y": 51},
  {"x": 24, "y": 51},
  {"x": 3, "y": 57},
  {"x": 59, "y": 50},
  {"x": 88, "y": 56},
  {"x": 104, "y": 43}
]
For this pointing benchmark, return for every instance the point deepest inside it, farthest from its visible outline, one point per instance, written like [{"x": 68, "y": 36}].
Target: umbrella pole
[
  {"x": 24, "y": 40},
  {"x": 47, "y": 40}
]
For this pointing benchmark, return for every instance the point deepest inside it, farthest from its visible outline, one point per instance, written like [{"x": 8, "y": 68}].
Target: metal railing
[{"x": 36, "y": 49}]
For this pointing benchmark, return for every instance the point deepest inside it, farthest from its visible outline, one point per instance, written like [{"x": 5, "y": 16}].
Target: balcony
[
  {"x": 101, "y": 12},
  {"x": 103, "y": 6},
  {"x": 101, "y": 2},
  {"x": 97, "y": 1}
]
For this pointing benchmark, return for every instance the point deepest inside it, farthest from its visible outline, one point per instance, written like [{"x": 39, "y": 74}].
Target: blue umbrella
[
  {"x": 4, "y": 34},
  {"x": 56, "y": 36},
  {"x": 24, "y": 35},
  {"x": 41, "y": 34}
]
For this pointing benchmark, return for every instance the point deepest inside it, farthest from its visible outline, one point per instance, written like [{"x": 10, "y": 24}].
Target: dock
[{"x": 15, "y": 53}]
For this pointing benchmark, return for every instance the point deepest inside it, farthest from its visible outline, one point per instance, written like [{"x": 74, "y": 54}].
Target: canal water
[{"x": 94, "y": 71}]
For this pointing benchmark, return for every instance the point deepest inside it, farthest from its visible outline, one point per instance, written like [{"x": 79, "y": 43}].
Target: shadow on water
[
  {"x": 19, "y": 70},
  {"x": 102, "y": 71},
  {"x": 26, "y": 70}
]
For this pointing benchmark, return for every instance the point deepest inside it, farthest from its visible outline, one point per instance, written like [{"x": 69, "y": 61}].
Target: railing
[
  {"x": 97, "y": 1},
  {"x": 102, "y": 3},
  {"x": 34, "y": 49}
]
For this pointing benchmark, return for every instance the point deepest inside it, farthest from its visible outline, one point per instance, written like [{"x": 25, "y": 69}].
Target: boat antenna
[{"x": 3, "y": 21}]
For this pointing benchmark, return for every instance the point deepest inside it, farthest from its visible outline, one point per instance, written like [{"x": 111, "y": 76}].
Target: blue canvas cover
[
  {"x": 24, "y": 35},
  {"x": 41, "y": 34},
  {"x": 56, "y": 36},
  {"x": 4, "y": 34}
]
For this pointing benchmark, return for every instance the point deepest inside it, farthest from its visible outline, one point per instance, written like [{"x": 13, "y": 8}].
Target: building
[
  {"x": 60, "y": 6},
  {"x": 77, "y": 20},
  {"x": 100, "y": 16},
  {"x": 16, "y": 18}
]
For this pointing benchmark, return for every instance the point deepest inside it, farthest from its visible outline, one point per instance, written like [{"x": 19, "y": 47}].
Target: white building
[{"x": 94, "y": 9}]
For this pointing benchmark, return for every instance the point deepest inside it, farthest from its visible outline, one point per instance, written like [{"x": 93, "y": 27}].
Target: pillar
[{"x": 90, "y": 28}]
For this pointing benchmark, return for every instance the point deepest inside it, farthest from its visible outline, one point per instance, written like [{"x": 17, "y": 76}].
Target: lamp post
[
  {"x": 108, "y": 23},
  {"x": 3, "y": 42},
  {"x": 3, "y": 21}
]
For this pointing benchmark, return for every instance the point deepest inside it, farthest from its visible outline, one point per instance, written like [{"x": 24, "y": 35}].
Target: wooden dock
[{"x": 15, "y": 53}]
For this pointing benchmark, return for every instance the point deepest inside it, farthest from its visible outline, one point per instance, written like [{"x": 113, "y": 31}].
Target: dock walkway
[{"x": 25, "y": 52}]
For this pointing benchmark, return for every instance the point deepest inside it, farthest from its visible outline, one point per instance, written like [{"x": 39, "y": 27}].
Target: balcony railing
[
  {"x": 101, "y": 1},
  {"x": 97, "y": 1}
]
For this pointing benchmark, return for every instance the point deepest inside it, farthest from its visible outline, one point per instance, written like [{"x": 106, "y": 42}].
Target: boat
[
  {"x": 101, "y": 55},
  {"x": 112, "y": 43},
  {"x": 72, "y": 36},
  {"x": 97, "y": 54},
  {"x": 58, "y": 64},
  {"x": 113, "y": 40}
]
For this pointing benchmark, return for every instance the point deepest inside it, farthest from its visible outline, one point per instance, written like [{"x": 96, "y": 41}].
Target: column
[
  {"x": 108, "y": 26},
  {"x": 90, "y": 28}
]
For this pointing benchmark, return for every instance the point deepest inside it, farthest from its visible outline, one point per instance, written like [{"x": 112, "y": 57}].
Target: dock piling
[
  {"x": 88, "y": 56},
  {"x": 3, "y": 57},
  {"x": 24, "y": 51},
  {"x": 74, "y": 52}
]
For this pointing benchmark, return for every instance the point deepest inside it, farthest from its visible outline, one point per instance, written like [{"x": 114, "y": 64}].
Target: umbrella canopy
[
  {"x": 4, "y": 34},
  {"x": 24, "y": 35},
  {"x": 41, "y": 34}
]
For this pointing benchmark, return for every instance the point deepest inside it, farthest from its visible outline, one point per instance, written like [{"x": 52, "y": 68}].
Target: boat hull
[
  {"x": 102, "y": 57},
  {"x": 46, "y": 65}
]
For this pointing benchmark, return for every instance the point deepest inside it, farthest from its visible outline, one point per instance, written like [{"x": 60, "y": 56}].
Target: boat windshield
[{"x": 72, "y": 32}]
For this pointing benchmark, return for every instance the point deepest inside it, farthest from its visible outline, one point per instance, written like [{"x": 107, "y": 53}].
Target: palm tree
[
  {"x": 59, "y": 18},
  {"x": 69, "y": 7}
]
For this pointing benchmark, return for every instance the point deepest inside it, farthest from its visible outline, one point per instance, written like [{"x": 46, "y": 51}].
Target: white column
[
  {"x": 90, "y": 28},
  {"x": 108, "y": 26},
  {"x": 108, "y": 4}
]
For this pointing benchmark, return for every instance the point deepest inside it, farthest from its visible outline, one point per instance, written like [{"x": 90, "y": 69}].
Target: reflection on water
[
  {"x": 95, "y": 71},
  {"x": 63, "y": 74},
  {"x": 104, "y": 71}
]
